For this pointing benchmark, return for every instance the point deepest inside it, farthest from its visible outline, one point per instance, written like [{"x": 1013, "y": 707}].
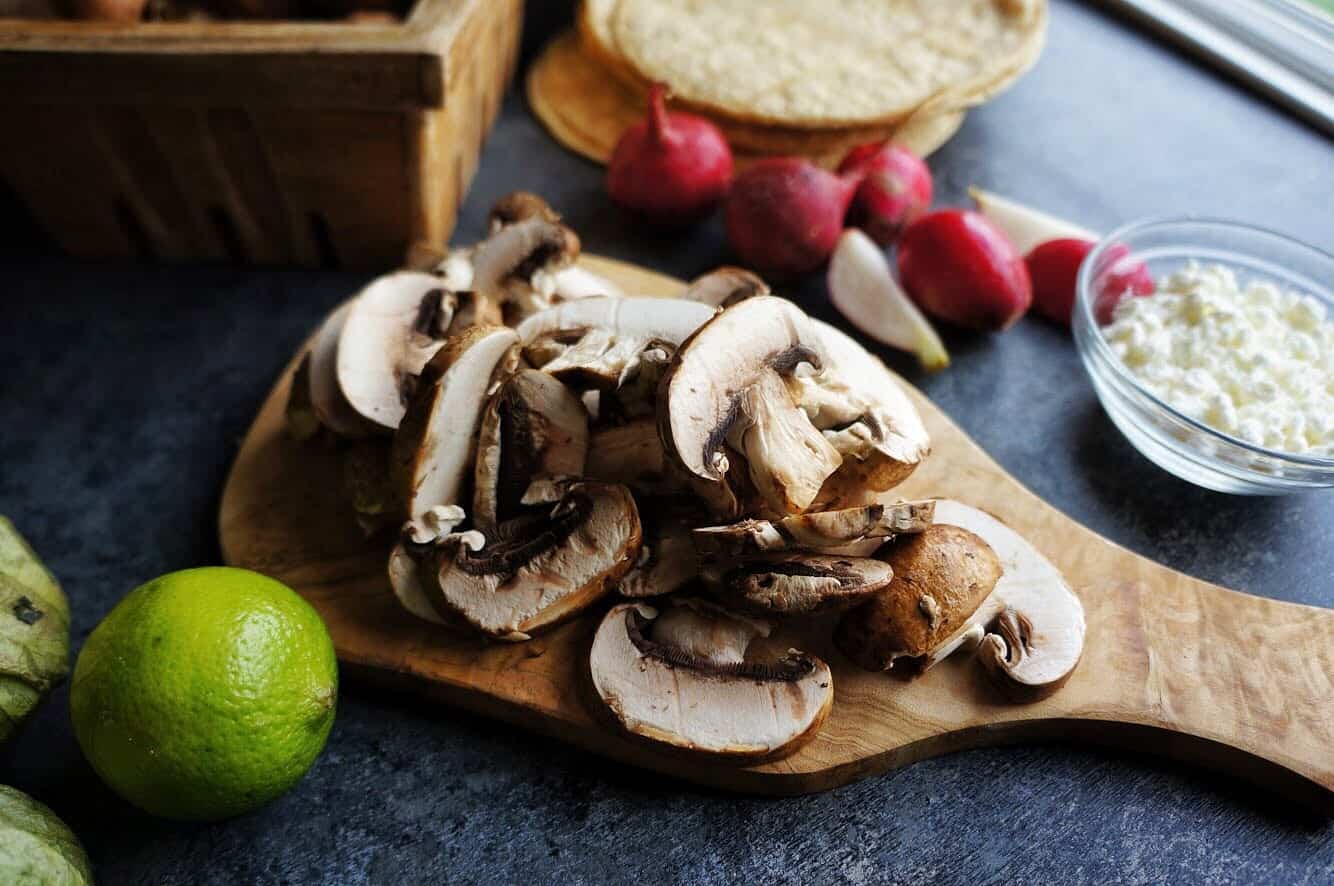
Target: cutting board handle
[{"x": 1232, "y": 681}]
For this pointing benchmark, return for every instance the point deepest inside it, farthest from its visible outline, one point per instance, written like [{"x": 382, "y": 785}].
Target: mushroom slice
[
  {"x": 681, "y": 679},
  {"x": 392, "y": 329},
  {"x": 540, "y": 567},
  {"x": 667, "y": 559},
  {"x": 797, "y": 582},
  {"x": 1038, "y": 638},
  {"x": 632, "y": 454},
  {"x": 434, "y": 448},
  {"x": 866, "y": 415},
  {"x": 434, "y": 527},
  {"x": 867, "y": 527},
  {"x": 524, "y": 253},
  {"x": 326, "y": 398},
  {"x": 601, "y": 341},
  {"x": 727, "y": 384},
  {"x": 577, "y": 282},
  {"x": 518, "y": 206},
  {"x": 724, "y": 287},
  {"x": 941, "y": 578},
  {"x": 533, "y": 426}
]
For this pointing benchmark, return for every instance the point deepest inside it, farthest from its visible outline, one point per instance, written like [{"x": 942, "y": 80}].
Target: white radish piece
[
  {"x": 864, "y": 290},
  {"x": 1024, "y": 226}
]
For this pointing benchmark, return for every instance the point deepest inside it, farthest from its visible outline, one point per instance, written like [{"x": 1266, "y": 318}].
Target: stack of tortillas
[{"x": 785, "y": 76}]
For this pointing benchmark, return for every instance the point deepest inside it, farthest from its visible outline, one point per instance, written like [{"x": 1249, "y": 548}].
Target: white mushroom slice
[
  {"x": 1038, "y": 639},
  {"x": 602, "y": 340},
  {"x": 577, "y": 282},
  {"x": 727, "y": 385},
  {"x": 724, "y": 287},
  {"x": 405, "y": 580},
  {"x": 797, "y": 582},
  {"x": 818, "y": 530},
  {"x": 434, "y": 448},
  {"x": 866, "y": 415},
  {"x": 392, "y": 329},
  {"x": 941, "y": 578},
  {"x": 667, "y": 559},
  {"x": 455, "y": 271},
  {"x": 632, "y": 454},
  {"x": 706, "y": 632},
  {"x": 518, "y": 251},
  {"x": 538, "y": 568},
  {"x": 326, "y": 398},
  {"x": 533, "y": 426},
  {"x": 740, "y": 710}
]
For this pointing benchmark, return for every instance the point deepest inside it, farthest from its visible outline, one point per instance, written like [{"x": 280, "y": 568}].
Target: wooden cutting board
[{"x": 1172, "y": 665}]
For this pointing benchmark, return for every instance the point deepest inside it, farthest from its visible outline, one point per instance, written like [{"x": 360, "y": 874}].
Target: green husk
[
  {"x": 34, "y": 630},
  {"x": 36, "y": 847}
]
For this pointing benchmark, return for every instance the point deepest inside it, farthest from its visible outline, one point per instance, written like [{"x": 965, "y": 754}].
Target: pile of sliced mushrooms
[{"x": 720, "y": 461}]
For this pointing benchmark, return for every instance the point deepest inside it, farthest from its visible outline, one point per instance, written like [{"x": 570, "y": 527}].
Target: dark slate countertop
[{"x": 125, "y": 392}]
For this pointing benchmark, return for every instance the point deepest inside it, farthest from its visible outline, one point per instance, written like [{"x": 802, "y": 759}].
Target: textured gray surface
[{"x": 125, "y": 392}]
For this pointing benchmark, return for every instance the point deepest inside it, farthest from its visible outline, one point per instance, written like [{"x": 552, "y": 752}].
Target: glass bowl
[{"x": 1174, "y": 441}]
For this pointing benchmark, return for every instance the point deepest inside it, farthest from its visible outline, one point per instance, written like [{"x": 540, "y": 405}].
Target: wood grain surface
[{"x": 1172, "y": 666}]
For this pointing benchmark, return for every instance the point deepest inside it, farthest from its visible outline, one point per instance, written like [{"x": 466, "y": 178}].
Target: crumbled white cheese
[{"x": 1255, "y": 362}]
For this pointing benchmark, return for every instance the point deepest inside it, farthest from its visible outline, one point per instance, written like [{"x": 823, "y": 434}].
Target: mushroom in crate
[{"x": 683, "y": 676}]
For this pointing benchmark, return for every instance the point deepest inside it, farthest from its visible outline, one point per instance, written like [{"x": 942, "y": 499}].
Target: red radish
[
  {"x": 896, "y": 191},
  {"x": 1118, "y": 274},
  {"x": 671, "y": 168},
  {"x": 960, "y": 268},
  {"x": 1054, "y": 266},
  {"x": 784, "y": 214}
]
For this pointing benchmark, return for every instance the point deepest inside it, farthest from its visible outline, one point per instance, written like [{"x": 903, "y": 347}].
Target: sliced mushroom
[
  {"x": 866, "y": 415},
  {"x": 632, "y": 454},
  {"x": 434, "y": 448},
  {"x": 326, "y": 397},
  {"x": 941, "y": 578},
  {"x": 864, "y": 529},
  {"x": 661, "y": 685},
  {"x": 516, "y": 265},
  {"x": 727, "y": 384},
  {"x": 602, "y": 341},
  {"x": 797, "y": 582},
  {"x": 518, "y": 206},
  {"x": 724, "y": 287},
  {"x": 667, "y": 558},
  {"x": 1038, "y": 638},
  {"x": 577, "y": 282},
  {"x": 393, "y": 328},
  {"x": 533, "y": 426},
  {"x": 433, "y": 526},
  {"x": 540, "y": 567}
]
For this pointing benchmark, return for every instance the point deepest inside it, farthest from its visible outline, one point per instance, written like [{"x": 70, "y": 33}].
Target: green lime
[
  {"x": 36, "y": 848},
  {"x": 205, "y": 693}
]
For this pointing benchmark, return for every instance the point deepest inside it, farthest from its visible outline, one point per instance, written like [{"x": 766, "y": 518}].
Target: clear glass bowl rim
[{"x": 1103, "y": 351}]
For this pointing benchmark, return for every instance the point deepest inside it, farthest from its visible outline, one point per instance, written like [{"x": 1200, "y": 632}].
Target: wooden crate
[{"x": 315, "y": 143}]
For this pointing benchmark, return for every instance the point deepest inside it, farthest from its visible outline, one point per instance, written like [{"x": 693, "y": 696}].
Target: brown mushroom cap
[
  {"x": 740, "y": 711},
  {"x": 798, "y": 582},
  {"x": 538, "y": 568},
  {"x": 941, "y": 577},
  {"x": 724, "y": 287},
  {"x": 435, "y": 446},
  {"x": 517, "y": 206},
  {"x": 533, "y": 426}
]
